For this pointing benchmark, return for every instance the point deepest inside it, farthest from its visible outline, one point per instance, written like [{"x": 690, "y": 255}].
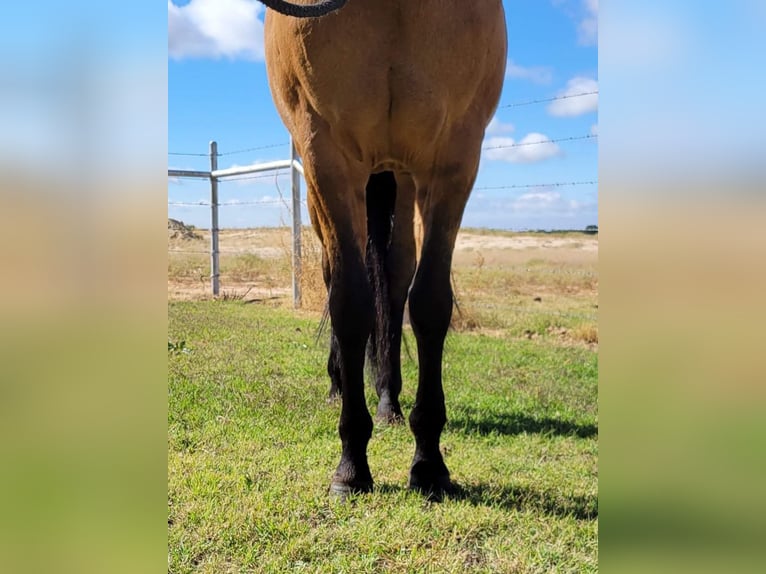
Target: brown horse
[{"x": 387, "y": 102}]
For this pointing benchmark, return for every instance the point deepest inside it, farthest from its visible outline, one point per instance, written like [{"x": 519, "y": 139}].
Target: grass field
[{"x": 252, "y": 443}]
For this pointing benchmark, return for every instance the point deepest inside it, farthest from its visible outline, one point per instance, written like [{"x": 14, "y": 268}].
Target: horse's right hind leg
[{"x": 335, "y": 191}]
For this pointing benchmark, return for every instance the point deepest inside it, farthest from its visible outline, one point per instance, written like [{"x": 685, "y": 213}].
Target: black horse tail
[{"x": 381, "y": 200}]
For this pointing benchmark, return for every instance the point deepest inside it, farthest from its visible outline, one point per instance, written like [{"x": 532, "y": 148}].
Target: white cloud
[
  {"x": 538, "y": 199},
  {"x": 547, "y": 203},
  {"x": 534, "y": 147},
  {"x": 585, "y": 14},
  {"x": 535, "y": 74},
  {"x": 215, "y": 28},
  {"x": 496, "y": 127},
  {"x": 594, "y": 130},
  {"x": 576, "y": 106},
  {"x": 587, "y": 30}
]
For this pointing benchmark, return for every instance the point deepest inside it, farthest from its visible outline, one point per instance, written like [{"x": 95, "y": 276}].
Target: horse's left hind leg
[{"x": 441, "y": 206}]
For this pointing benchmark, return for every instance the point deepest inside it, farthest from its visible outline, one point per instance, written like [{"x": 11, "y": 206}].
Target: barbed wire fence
[{"x": 293, "y": 207}]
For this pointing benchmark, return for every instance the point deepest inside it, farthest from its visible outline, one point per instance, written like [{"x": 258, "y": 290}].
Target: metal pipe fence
[{"x": 215, "y": 175}]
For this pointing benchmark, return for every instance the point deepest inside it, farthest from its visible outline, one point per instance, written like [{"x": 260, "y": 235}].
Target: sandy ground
[
  {"x": 467, "y": 241},
  {"x": 515, "y": 249}
]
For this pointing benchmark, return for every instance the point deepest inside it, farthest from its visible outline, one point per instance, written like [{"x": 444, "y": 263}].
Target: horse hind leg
[
  {"x": 390, "y": 267},
  {"x": 336, "y": 193},
  {"x": 441, "y": 206}
]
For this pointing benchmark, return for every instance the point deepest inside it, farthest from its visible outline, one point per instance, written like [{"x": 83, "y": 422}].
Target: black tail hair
[{"x": 381, "y": 200}]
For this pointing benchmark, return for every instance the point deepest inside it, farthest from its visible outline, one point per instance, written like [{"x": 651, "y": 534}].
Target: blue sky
[{"x": 217, "y": 89}]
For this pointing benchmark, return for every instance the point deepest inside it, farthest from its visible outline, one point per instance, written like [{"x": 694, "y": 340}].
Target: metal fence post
[
  {"x": 296, "y": 226},
  {"x": 214, "y": 263}
]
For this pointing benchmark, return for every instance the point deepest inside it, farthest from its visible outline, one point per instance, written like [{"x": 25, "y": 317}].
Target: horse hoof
[
  {"x": 433, "y": 490},
  {"x": 389, "y": 414},
  {"x": 430, "y": 479},
  {"x": 389, "y": 418},
  {"x": 342, "y": 490}
]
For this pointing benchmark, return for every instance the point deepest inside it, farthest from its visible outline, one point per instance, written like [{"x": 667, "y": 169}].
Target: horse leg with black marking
[
  {"x": 336, "y": 197},
  {"x": 351, "y": 312},
  {"x": 441, "y": 206}
]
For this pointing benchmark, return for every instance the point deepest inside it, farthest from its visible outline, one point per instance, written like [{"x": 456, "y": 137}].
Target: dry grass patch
[
  {"x": 587, "y": 332},
  {"x": 520, "y": 284},
  {"x": 313, "y": 291}
]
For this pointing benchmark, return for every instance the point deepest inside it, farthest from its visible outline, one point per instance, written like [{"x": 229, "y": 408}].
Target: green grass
[{"x": 252, "y": 445}]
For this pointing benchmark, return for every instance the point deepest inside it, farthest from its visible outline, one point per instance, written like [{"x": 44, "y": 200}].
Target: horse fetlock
[
  {"x": 351, "y": 476},
  {"x": 389, "y": 412}
]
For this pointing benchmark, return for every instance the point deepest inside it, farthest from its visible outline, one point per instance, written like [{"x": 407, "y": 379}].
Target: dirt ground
[{"x": 515, "y": 249}]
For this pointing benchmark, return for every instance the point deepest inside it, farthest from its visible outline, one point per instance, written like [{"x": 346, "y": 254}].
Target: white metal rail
[{"x": 215, "y": 174}]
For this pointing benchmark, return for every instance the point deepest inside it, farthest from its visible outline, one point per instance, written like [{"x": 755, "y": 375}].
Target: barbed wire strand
[
  {"x": 287, "y": 207},
  {"x": 532, "y": 185},
  {"x": 256, "y": 148},
  {"x": 261, "y": 176},
  {"x": 545, "y": 100},
  {"x": 235, "y": 203},
  {"x": 282, "y": 201},
  {"x": 282, "y": 144},
  {"x": 234, "y": 152},
  {"x": 486, "y": 148},
  {"x": 177, "y": 179},
  {"x": 224, "y": 204},
  {"x": 189, "y": 154},
  {"x": 546, "y": 141}
]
